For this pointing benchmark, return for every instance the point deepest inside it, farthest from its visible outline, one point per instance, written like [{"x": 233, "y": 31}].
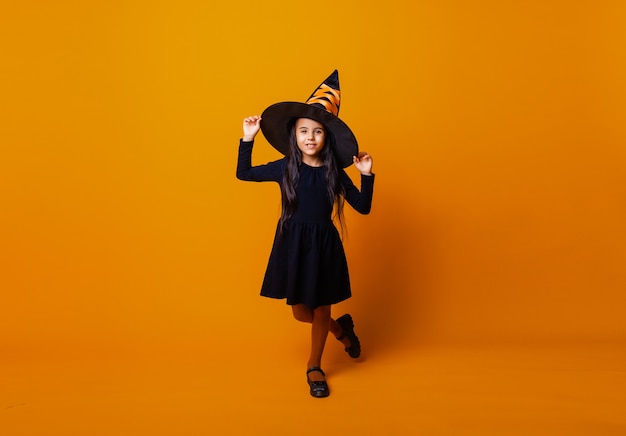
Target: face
[{"x": 310, "y": 137}]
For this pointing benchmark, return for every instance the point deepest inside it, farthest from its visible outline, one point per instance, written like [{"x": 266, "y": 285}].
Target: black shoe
[
  {"x": 346, "y": 323},
  {"x": 319, "y": 389}
]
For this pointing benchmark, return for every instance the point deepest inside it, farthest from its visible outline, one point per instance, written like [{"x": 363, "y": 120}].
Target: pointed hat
[{"x": 322, "y": 106}]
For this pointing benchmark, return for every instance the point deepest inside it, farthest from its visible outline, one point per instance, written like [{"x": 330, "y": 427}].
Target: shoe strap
[{"x": 315, "y": 368}]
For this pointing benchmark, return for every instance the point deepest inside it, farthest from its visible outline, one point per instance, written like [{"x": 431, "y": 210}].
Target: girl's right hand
[{"x": 251, "y": 126}]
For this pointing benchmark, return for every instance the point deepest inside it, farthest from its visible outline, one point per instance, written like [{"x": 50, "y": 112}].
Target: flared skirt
[{"x": 307, "y": 265}]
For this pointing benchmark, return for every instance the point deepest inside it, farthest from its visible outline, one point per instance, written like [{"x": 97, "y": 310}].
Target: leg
[
  {"x": 304, "y": 314},
  {"x": 337, "y": 330},
  {"x": 319, "y": 332}
]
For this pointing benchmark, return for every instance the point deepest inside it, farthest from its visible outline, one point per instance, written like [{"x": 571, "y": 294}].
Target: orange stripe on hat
[{"x": 327, "y": 97}]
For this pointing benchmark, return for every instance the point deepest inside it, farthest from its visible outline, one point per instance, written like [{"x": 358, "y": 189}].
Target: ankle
[{"x": 311, "y": 364}]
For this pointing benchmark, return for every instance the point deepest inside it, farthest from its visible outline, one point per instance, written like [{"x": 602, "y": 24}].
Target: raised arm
[
  {"x": 245, "y": 171},
  {"x": 361, "y": 201}
]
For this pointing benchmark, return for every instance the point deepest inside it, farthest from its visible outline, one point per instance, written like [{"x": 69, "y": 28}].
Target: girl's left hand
[{"x": 363, "y": 162}]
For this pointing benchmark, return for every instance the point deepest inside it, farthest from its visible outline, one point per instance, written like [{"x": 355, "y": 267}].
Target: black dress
[{"x": 307, "y": 263}]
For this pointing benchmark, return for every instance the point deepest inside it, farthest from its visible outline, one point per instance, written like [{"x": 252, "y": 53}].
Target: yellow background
[{"x": 498, "y": 137}]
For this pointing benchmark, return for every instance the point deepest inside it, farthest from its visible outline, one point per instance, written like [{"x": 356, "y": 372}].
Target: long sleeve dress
[{"x": 307, "y": 263}]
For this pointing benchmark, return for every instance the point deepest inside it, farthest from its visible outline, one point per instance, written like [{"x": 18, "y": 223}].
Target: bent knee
[{"x": 302, "y": 313}]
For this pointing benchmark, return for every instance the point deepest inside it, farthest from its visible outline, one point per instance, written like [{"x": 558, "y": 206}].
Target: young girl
[{"x": 307, "y": 264}]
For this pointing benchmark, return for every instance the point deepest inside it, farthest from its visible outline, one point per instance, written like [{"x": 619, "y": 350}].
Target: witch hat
[{"x": 323, "y": 107}]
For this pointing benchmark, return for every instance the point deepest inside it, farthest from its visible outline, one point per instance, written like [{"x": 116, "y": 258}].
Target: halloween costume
[{"x": 307, "y": 263}]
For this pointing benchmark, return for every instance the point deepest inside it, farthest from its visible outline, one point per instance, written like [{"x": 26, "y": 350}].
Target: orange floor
[{"x": 429, "y": 390}]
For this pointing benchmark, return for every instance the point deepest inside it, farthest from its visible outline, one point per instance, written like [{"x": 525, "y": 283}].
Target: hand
[
  {"x": 251, "y": 126},
  {"x": 363, "y": 162}
]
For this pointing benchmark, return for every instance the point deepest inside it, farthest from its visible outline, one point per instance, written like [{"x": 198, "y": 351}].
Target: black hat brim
[{"x": 275, "y": 127}]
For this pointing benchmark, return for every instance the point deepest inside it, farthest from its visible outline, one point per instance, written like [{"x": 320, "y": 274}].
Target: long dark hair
[{"x": 291, "y": 177}]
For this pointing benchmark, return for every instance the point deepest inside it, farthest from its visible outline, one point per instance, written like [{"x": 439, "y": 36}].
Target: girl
[{"x": 307, "y": 264}]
